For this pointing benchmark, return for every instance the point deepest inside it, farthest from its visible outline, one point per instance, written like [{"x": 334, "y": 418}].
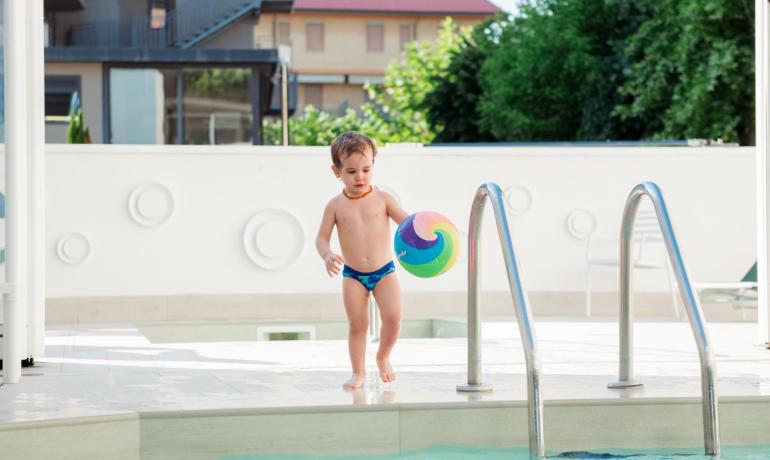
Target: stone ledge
[{"x": 417, "y": 305}]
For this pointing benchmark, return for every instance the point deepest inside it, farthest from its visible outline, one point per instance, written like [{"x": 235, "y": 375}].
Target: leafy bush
[{"x": 77, "y": 132}]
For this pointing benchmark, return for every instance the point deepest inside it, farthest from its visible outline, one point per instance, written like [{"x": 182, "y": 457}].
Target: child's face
[{"x": 356, "y": 172}]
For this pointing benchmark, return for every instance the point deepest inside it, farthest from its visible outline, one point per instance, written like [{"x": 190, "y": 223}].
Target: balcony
[
  {"x": 136, "y": 33},
  {"x": 183, "y": 27}
]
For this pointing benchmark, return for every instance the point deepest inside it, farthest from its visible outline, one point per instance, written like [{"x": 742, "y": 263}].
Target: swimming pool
[
  {"x": 470, "y": 430},
  {"x": 265, "y": 398},
  {"x": 484, "y": 430},
  {"x": 759, "y": 452}
]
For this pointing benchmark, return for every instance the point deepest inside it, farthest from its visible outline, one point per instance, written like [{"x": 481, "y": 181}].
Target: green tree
[
  {"x": 608, "y": 25},
  {"x": 553, "y": 72},
  {"x": 218, "y": 83},
  {"x": 535, "y": 81},
  {"x": 315, "y": 127},
  {"x": 397, "y": 113},
  {"x": 321, "y": 128},
  {"x": 692, "y": 72},
  {"x": 452, "y": 105}
]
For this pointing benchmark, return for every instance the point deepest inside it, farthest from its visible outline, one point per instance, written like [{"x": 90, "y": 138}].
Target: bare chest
[{"x": 356, "y": 215}]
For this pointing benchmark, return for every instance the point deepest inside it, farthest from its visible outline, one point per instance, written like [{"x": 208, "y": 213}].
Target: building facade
[
  {"x": 205, "y": 71},
  {"x": 142, "y": 76},
  {"x": 339, "y": 45}
]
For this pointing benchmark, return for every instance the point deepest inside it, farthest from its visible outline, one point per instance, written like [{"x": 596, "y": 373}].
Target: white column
[
  {"x": 761, "y": 83},
  {"x": 36, "y": 107},
  {"x": 14, "y": 308}
]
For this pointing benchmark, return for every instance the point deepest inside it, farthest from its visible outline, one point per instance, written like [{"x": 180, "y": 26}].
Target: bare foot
[
  {"x": 386, "y": 371},
  {"x": 355, "y": 382}
]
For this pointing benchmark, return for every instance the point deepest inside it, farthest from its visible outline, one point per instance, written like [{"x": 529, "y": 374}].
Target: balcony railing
[
  {"x": 113, "y": 34},
  {"x": 182, "y": 27}
]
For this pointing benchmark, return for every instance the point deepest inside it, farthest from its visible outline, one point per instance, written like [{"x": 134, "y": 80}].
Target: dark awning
[
  {"x": 63, "y": 5},
  {"x": 276, "y": 6},
  {"x": 266, "y": 59}
]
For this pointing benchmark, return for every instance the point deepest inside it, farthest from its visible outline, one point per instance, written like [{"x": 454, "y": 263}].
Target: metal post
[
  {"x": 762, "y": 85},
  {"x": 16, "y": 148},
  {"x": 106, "y": 105},
  {"x": 36, "y": 104},
  {"x": 521, "y": 307},
  {"x": 256, "y": 106},
  {"x": 694, "y": 311},
  {"x": 284, "y": 55},
  {"x": 474, "y": 296},
  {"x": 284, "y": 103},
  {"x": 179, "y": 105},
  {"x": 626, "y": 378}
]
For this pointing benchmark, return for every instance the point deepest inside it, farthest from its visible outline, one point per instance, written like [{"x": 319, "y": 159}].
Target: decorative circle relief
[
  {"x": 517, "y": 199},
  {"x": 581, "y": 223},
  {"x": 151, "y": 204},
  {"x": 273, "y": 239},
  {"x": 73, "y": 248}
]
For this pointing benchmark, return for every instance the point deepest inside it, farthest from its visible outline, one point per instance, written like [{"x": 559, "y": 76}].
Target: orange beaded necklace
[{"x": 359, "y": 196}]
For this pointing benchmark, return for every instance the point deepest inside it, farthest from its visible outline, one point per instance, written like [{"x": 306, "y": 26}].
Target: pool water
[{"x": 469, "y": 453}]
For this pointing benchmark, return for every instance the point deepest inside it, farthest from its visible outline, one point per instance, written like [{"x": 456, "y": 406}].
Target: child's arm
[
  {"x": 333, "y": 261},
  {"x": 394, "y": 209}
]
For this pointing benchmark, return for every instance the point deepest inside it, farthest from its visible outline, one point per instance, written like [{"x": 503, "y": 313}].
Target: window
[
  {"x": 315, "y": 36},
  {"x": 159, "y": 11},
  {"x": 217, "y": 105},
  {"x": 142, "y": 106},
  {"x": 58, "y": 96},
  {"x": 314, "y": 96},
  {"x": 375, "y": 38},
  {"x": 283, "y": 34},
  {"x": 405, "y": 34}
]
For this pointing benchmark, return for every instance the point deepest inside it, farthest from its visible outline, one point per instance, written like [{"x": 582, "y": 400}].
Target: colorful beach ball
[{"x": 427, "y": 244}]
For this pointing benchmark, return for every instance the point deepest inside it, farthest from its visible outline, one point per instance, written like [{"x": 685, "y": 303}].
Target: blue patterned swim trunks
[{"x": 369, "y": 280}]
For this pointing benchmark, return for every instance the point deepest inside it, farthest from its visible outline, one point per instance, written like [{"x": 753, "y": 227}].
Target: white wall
[{"x": 216, "y": 191}]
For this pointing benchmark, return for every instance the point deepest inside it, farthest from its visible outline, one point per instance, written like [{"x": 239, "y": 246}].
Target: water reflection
[{"x": 368, "y": 396}]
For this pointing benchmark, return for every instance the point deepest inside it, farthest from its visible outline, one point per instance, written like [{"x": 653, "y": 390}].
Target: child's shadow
[{"x": 367, "y": 397}]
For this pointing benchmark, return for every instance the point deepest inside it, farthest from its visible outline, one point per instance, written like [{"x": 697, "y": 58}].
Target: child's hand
[{"x": 333, "y": 263}]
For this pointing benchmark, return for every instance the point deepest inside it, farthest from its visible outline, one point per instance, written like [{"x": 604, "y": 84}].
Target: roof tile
[{"x": 399, "y": 6}]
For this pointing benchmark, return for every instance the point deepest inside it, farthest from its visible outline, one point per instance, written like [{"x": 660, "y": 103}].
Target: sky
[{"x": 506, "y": 5}]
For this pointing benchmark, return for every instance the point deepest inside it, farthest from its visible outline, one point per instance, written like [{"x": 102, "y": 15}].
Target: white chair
[
  {"x": 648, "y": 252},
  {"x": 740, "y": 294}
]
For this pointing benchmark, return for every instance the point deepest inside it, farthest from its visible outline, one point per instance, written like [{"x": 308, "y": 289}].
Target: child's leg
[
  {"x": 356, "y": 299},
  {"x": 388, "y": 296}
]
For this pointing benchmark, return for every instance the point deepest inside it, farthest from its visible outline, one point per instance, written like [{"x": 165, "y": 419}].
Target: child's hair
[{"x": 348, "y": 143}]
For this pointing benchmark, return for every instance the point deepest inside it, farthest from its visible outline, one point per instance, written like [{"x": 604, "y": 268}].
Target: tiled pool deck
[{"x": 98, "y": 369}]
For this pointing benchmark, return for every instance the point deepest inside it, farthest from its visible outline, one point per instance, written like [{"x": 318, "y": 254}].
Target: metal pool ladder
[
  {"x": 694, "y": 311},
  {"x": 521, "y": 306}
]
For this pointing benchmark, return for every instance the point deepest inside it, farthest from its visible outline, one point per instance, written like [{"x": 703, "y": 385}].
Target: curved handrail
[
  {"x": 521, "y": 306},
  {"x": 694, "y": 311}
]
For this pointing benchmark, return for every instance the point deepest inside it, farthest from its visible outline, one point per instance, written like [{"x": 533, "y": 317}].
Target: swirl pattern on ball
[{"x": 427, "y": 244}]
